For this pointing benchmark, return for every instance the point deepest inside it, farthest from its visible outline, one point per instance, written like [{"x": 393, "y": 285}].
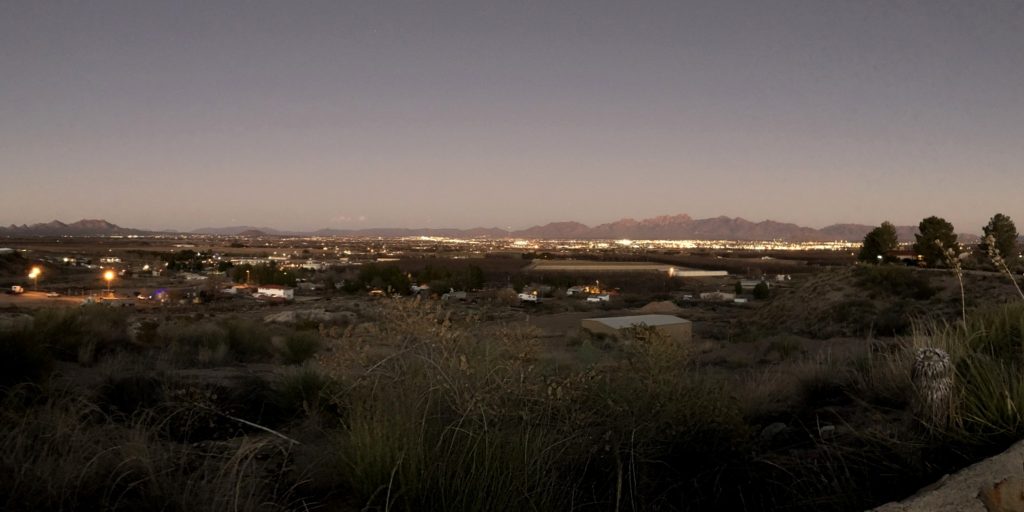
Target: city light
[
  {"x": 108, "y": 276},
  {"x": 34, "y": 275}
]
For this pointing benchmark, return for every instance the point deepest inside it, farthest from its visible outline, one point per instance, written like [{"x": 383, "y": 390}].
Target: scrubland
[{"x": 418, "y": 405}]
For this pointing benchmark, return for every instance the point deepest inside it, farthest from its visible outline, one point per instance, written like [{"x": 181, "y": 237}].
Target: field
[{"x": 803, "y": 400}]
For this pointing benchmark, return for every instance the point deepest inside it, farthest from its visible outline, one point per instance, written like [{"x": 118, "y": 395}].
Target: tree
[
  {"x": 935, "y": 236},
  {"x": 761, "y": 291},
  {"x": 877, "y": 242},
  {"x": 1004, "y": 234}
]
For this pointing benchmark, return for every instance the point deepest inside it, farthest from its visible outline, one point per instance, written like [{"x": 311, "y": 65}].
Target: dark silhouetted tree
[
  {"x": 761, "y": 291},
  {"x": 1004, "y": 232},
  {"x": 935, "y": 235},
  {"x": 877, "y": 242}
]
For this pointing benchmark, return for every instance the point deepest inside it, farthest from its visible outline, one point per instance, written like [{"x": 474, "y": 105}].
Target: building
[
  {"x": 672, "y": 327},
  {"x": 693, "y": 272},
  {"x": 275, "y": 291}
]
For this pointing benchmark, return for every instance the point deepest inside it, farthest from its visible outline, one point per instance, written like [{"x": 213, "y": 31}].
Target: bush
[
  {"x": 305, "y": 391},
  {"x": 894, "y": 280},
  {"x": 761, "y": 291},
  {"x": 22, "y": 359},
  {"x": 300, "y": 347},
  {"x": 62, "y": 455},
  {"x": 130, "y": 393},
  {"x": 83, "y": 334},
  {"x": 249, "y": 341},
  {"x": 200, "y": 343}
]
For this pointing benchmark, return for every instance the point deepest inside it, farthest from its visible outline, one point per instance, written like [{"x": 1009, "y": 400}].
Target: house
[
  {"x": 750, "y": 284},
  {"x": 717, "y": 296},
  {"x": 275, "y": 291},
  {"x": 575, "y": 290},
  {"x": 672, "y": 327}
]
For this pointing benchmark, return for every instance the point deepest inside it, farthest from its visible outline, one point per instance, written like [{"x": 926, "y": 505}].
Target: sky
[{"x": 378, "y": 113}]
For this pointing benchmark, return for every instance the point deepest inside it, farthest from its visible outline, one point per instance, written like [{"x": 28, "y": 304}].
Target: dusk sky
[{"x": 373, "y": 113}]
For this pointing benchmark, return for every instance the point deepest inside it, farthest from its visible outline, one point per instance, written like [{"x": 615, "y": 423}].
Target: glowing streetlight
[
  {"x": 34, "y": 275},
  {"x": 108, "y": 276}
]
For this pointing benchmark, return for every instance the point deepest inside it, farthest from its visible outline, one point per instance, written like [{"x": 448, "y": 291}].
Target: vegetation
[
  {"x": 1000, "y": 236},
  {"x": 421, "y": 405},
  {"x": 263, "y": 274},
  {"x": 761, "y": 291},
  {"x": 388, "y": 278},
  {"x": 935, "y": 236},
  {"x": 878, "y": 242}
]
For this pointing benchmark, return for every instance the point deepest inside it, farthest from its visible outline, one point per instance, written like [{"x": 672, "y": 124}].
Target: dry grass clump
[{"x": 65, "y": 454}]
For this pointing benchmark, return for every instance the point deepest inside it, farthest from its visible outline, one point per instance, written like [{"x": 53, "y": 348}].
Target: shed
[
  {"x": 674, "y": 328},
  {"x": 276, "y": 291}
]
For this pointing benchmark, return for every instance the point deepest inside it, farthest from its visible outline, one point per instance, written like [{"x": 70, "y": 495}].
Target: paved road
[{"x": 32, "y": 299}]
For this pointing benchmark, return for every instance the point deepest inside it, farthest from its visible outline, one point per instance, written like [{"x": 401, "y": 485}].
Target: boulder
[{"x": 311, "y": 315}]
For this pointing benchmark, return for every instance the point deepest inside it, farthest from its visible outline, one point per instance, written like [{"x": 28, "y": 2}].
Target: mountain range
[
  {"x": 666, "y": 227},
  {"x": 84, "y": 227}
]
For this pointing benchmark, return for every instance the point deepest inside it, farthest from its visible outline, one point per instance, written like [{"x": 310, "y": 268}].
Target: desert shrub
[
  {"x": 821, "y": 385},
  {"x": 761, "y": 291},
  {"x": 883, "y": 379},
  {"x": 895, "y": 280},
  {"x": 201, "y": 343},
  {"x": 299, "y": 347},
  {"x": 785, "y": 347},
  {"x": 126, "y": 394},
  {"x": 63, "y": 455},
  {"x": 248, "y": 341},
  {"x": 449, "y": 421},
  {"x": 988, "y": 357},
  {"x": 82, "y": 334},
  {"x": 22, "y": 359},
  {"x": 305, "y": 391}
]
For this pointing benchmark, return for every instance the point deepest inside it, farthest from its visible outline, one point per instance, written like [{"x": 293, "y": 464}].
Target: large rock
[
  {"x": 992, "y": 485},
  {"x": 311, "y": 315}
]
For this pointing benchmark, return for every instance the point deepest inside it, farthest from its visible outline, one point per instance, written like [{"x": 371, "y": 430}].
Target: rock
[
  {"x": 311, "y": 315},
  {"x": 1007, "y": 495},
  {"x": 998, "y": 479},
  {"x": 773, "y": 430}
]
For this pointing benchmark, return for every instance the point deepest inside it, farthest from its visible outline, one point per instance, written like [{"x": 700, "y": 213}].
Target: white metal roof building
[{"x": 675, "y": 328}]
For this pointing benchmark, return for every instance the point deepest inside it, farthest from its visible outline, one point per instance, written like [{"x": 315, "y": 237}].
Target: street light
[
  {"x": 108, "y": 276},
  {"x": 34, "y": 275}
]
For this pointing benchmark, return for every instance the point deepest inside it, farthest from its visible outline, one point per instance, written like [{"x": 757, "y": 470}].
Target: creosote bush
[{"x": 299, "y": 347}]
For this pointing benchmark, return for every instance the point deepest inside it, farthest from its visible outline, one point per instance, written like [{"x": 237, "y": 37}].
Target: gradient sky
[{"x": 372, "y": 113}]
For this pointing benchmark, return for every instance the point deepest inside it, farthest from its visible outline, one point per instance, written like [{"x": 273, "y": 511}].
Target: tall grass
[
  {"x": 988, "y": 357},
  {"x": 452, "y": 418},
  {"x": 67, "y": 455}
]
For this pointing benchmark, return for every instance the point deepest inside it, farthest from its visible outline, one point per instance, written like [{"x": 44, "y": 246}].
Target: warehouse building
[{"x": 672, "y": 327}]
